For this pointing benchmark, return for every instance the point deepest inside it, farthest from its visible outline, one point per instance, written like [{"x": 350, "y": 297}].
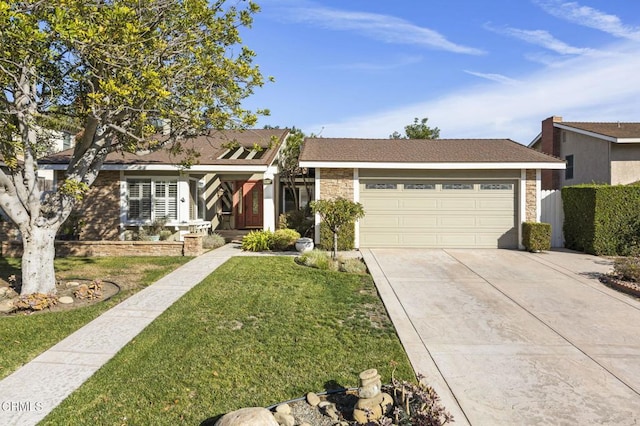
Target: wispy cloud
[
  {"x": 584, "y": 88},
  {"x": 388, "y": 29},
  {"x": 589, "y": 17},
  {"x": 498, "y": 78},
  {"x": 544, "y": 39},
  {"x": 392, "y": 64}
]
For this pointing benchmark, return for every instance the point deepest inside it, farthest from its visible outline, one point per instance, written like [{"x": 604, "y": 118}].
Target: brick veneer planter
[{"x": 192, "y": 246}]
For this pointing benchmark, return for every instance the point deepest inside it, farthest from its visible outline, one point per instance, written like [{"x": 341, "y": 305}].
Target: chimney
[{"x": 550, "y": 144}]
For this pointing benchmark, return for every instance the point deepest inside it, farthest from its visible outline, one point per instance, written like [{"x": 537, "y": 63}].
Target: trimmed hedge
[
  {"x": 602, "y": 219},
  {"x": 346, "y": 237},
  {"x": 536, "y": 236}
]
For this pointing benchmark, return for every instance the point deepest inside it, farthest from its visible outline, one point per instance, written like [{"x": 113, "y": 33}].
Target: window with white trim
[{"x": 150, "y": 199}]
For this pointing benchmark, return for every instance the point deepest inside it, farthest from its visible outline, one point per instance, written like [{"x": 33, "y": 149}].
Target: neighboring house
[
  {"x": 607, "y": 153},
  {"x": 432, "y": 193},
  {"x": 231, "y": 186}
]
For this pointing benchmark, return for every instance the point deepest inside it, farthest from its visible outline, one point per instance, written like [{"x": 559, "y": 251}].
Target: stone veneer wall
[
  {"x": 336, "y": 183},
  {"x": 101, "y": 208},
  {"x": 192, "y": 246},
  {"x": 530, "y": 200}
]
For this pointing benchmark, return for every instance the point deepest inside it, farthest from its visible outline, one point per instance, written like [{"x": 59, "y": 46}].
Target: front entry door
[{"x": 251, "y": 214}]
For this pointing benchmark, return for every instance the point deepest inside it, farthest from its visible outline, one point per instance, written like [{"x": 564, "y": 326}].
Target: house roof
[
  {"x": 216, "y": 148},
  {"x": 616, "y": 130},
  {"x": 418, "y": 153}
]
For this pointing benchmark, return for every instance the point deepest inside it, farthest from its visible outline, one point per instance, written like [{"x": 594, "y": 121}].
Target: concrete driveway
[{"x": 512, "y": 338}]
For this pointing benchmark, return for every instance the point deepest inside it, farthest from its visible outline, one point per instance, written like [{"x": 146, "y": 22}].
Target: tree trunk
[
  {"x": 335, "y": 244},
  {"x": 38, "y": 274}
]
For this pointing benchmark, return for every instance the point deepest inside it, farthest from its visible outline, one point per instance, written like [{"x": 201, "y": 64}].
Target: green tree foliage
[
  {"x": 290, "y": 171},
  {"x": 417, "y": 130},
  {"x": 114, "y": 68},
  {"x": 336, "y": 214}
]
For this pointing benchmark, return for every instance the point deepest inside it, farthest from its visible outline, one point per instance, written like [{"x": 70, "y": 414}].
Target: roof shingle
[
  {"x": 210, "y": 147},
  {"x": 420, "y": 151},
  {"x": 614, "y": 130}
]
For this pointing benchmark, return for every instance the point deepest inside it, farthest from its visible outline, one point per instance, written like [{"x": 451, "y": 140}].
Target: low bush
[
  {"x": 300, "y": 220},
  {"x": 213, "y": 241},
  {"x": 353, "y": 266},
  {"x": 322, "y": 260},
  {"x": 536, "y": 236},
  {"x": 284, "y": 239},
  {"x": 627, "y": 268},
  {"x": 257, "y": 240}
]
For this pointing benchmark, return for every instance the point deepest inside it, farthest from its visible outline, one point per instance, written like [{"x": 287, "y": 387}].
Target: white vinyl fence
[{"x": 551, "y": 212}]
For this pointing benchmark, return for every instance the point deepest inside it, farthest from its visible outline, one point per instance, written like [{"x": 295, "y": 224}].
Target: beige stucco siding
[
  {"x": 625, "y": 163},
  {"x": 591, "y": 159}
]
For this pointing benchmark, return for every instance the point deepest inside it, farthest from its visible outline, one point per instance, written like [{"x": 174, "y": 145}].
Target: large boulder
[{"x": 251, "y": 416}]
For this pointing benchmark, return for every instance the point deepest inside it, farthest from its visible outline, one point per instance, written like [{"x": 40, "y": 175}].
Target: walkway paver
[
  {"x": 31, "y": 392},
  {"x": 508, "y": 337}
]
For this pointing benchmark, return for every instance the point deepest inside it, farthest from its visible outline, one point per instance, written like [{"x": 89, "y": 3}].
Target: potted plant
[{"x": 154, "y": 228}]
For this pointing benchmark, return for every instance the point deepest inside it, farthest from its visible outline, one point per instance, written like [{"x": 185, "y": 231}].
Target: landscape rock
[
  {"x": 250, "y": 416},
  {"x": 72, "y": 284},
  {"x": 284, "y": 419},
  {"x": 7, "y": 306},
  {"x": 313, "y": 399},
  {"x": 66, "y": 300},
  {"x": 283, "y": 408}
]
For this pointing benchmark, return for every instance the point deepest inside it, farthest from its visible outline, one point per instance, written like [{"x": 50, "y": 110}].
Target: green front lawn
[
  {"x": 23, "y": 337},
  {"x": 257, "y": 331}
]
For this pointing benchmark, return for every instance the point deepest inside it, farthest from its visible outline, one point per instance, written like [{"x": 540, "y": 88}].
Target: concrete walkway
[
  {"x": 31, "y": 392},
  {"x": 508, "y": 337}
]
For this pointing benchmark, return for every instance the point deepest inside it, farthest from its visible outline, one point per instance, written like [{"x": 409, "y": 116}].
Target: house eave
[
  {"x": 433, "y": 166},
  {"x": 596, "y": 135},
  {"x": 171, "y": 168}
]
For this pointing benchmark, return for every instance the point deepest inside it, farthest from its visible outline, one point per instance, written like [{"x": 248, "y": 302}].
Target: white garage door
[{"x": 438, "y": 214}]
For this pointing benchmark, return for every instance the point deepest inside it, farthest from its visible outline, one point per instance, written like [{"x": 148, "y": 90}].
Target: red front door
[{"x": 250, "y": 207}]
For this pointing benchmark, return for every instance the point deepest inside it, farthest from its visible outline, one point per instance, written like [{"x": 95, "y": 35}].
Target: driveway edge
[{"x": 418, "y": 354}]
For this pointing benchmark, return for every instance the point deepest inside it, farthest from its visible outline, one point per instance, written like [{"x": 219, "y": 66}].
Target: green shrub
[
  {"x": 321, "y": 259},
  {"x": 602, "y": 219},
  {"x": 536, "y": 236},
  {"x": 257, "y": 240},
  {"x": 165, "y": 235},
  {"x": 213, "y": 241},
  {"x": 628, "y": 268},
  {"x": 318, "y": 259},
  {"x": 353, "y": 266},
  {"x": 284, "y": 238},
  {"x": 300, "y": 220},
  {"x": 346, "y": 237}
]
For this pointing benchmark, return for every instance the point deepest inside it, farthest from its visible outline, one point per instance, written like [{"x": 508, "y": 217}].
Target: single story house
[
  {"x": 232, "y": 185},
  {"x": 605, "y": 153},
  {"x": 438, "y": 193}
]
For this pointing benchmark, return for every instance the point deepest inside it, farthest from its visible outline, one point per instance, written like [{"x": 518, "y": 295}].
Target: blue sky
[{"x": 476, "y": 69}]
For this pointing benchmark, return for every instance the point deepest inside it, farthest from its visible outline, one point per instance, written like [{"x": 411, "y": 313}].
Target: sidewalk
[{"x": 34, "y": 390}]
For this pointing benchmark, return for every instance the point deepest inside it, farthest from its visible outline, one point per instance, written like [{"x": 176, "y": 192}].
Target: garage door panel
[
  {"x": 382, "y": 204},
  {"x": 458, "y": 204},
  {"x": 497, "y": 221},
  {"x": 495, "y": 204},
  {"x": 439, "y": 218},
  {"x": 419, "y": 204},
  {"x": 374, "y": 222},
  {"x": 457, "y": 222}
]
